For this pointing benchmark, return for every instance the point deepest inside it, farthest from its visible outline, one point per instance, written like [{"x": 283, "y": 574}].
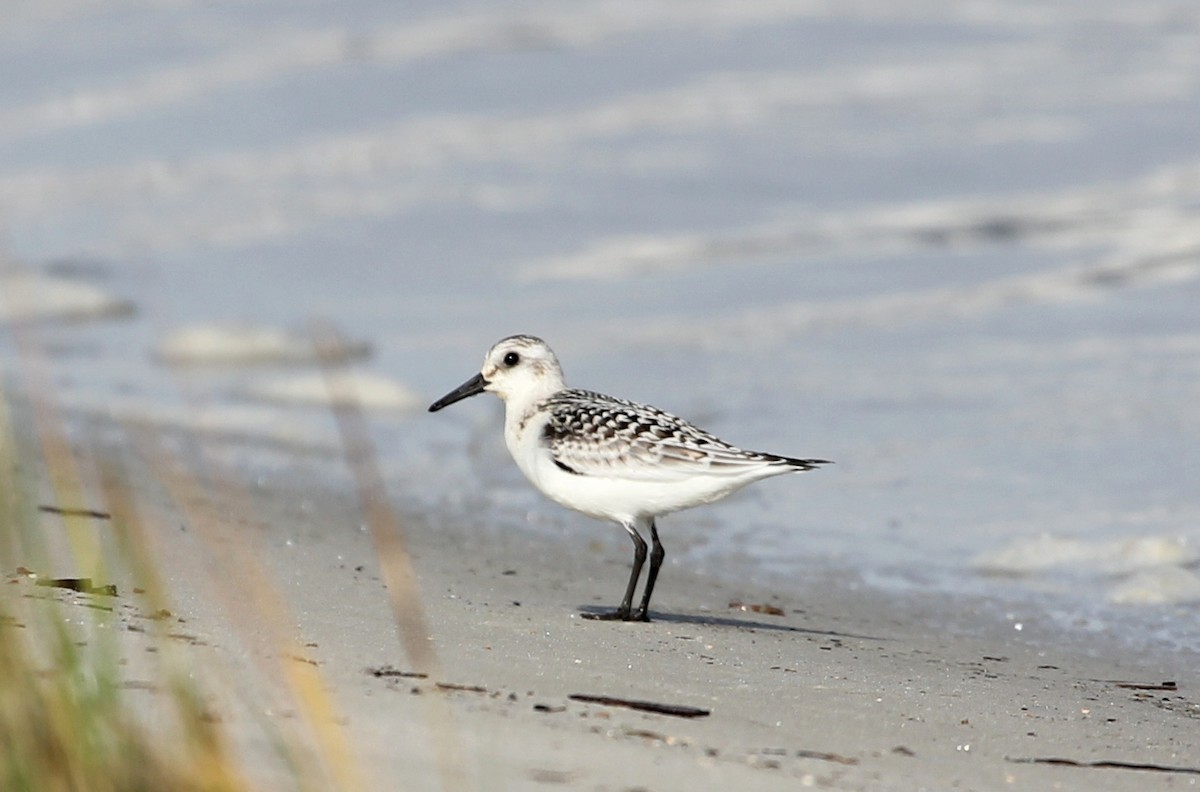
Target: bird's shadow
[{"x": 708, "y": 620}]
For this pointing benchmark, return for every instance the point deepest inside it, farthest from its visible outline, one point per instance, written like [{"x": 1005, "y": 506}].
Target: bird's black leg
[
  {"x": 656, "y": 558},
  {"x": 623, "y": 613}
]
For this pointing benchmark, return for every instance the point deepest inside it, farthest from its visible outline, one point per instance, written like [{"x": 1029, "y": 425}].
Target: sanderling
[{"x": 609, "y": 458}]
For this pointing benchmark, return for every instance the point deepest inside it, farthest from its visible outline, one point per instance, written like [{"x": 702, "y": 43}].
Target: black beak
[{"x": 469, "y": 388}]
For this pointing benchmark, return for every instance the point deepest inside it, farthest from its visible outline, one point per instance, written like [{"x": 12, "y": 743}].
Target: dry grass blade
[
  {"x": 387, "y": 534},
  {"x": 247, "y": 588},
  {"x": 207, "y": 758}
]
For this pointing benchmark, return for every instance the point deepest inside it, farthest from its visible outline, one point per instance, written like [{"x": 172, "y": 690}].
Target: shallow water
[{"x": 954, "y": 249}]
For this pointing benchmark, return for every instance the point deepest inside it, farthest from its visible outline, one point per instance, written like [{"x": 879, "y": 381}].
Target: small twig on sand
[
  {"x": 676, "y": 710},
  {"x": 1103, "y": 764}
]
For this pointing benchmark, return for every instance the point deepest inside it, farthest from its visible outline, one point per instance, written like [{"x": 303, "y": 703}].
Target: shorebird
[{"x": 610, "y": 458}]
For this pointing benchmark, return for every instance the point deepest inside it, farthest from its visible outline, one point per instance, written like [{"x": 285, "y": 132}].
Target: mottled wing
[{"x": 592, "y": 434}]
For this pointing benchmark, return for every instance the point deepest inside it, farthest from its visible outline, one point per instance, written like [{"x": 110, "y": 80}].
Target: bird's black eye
[{"x": 512, "y": 359}]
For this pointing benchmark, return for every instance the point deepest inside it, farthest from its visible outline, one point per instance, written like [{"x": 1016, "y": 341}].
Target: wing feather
[{"x": 593, "y": 434}]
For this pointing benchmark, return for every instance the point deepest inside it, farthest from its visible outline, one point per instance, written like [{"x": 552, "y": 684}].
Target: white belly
[{"x": 625, "y": 500}]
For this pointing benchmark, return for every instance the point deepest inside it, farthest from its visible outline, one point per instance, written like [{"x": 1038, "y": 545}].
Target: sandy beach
[
  {"x": 953, "y": 247},
  {"x": 780, "y": 684}
]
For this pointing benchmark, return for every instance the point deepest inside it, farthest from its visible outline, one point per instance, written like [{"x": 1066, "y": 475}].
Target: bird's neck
[{"x": 518, "y": 412}]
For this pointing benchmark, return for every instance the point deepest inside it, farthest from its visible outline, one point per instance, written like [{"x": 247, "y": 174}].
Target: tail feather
[{"x": 799, "y": 465}]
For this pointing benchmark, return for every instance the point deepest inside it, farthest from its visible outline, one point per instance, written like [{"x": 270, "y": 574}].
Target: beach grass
[
  {"x": 79, "y": 708},
  {"x": 69, "y": 715}
]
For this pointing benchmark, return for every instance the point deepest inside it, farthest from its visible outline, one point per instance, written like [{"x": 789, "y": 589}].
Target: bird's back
[{"x": 595, "y": 434}]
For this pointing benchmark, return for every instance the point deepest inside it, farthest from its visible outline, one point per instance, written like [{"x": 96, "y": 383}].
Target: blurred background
[{"x": 953, "y": 246}]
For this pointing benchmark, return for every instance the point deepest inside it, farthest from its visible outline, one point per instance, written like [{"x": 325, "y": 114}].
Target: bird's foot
[
  {"x": 616, "y": 615},
  {"x": 620, "y": 614}
]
